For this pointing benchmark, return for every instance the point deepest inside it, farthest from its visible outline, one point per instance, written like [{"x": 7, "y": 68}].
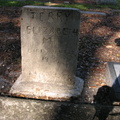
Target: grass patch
[
  {"x": 85, "y": 7},
  {"x": 88, "y": 7},
  {"x": 118, "y": 1},
  {"x": 78, "y": 6},
  {"x": 19, "y": 3}
]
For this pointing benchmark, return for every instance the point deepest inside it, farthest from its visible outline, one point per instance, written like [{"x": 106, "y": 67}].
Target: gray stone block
[
  {"x": 29, "y": 109},
  {"x": 113, "y": 76},
  {"x": 50, "y": 37}
]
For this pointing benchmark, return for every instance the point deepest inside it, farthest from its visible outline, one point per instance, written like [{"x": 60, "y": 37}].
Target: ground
[{"x": 97, "y": 46}]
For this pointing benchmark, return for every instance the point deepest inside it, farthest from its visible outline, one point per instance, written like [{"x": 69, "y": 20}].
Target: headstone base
[{"x": 46, "y": 91}]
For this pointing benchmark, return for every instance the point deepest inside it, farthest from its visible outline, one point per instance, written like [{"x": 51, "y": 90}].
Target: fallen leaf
[{"x": 108, "y": 46}]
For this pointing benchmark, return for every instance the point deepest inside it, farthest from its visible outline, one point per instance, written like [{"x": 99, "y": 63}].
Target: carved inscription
[
  {"x": 32, "y": 15},
  {"x": 44, "y": 16},
  {"x": 41, "y": 16},
  {"x": 48, "y": 30},
  {"x": 52, "y": 31},
  {"x": 48, "y": 40},
  {"x": 45, "y": 59},
  {"x": 32, "y": 50},
  {"x": 28, "y": 28},
  {"x": 42, "y": 24},
  {"x": 50, "y": 16}
]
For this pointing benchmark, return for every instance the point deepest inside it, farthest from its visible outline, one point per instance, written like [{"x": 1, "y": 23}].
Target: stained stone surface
[
  {"x": 117, "y": 71},
  {"x": 28, "y": 109},
  {"x": 49, "y": 38},
  {"x": 113, "y": 77}
]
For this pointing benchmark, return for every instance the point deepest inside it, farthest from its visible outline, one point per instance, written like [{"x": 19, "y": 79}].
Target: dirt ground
[{"x": 97, "y": 46}]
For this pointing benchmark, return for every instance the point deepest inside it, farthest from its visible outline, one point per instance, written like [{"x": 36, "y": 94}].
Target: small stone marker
[
  {"x": 106, "y": 1},
  {"x": 49, "y": 38},
  {"x": 113, "y": 77}
]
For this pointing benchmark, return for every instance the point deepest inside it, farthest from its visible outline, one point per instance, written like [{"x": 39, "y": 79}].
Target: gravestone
[
  {"x": 49, "y": 39},
  {"x": 106, "y": 1},
  {"x": 113, "y": 77}
]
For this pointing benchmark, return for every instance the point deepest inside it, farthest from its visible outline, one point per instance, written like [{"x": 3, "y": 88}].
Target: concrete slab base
[
  {"x": 29, "y": 109},
  {"x": 46, "y": 91}
]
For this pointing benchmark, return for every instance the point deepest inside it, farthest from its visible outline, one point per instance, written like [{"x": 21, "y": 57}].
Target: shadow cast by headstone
[
  {"x": 104, "y": 98},
  {"x": 72, "y": 111}
]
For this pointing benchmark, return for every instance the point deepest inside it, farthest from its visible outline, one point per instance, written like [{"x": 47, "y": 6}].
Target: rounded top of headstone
[{"x": 49, "y": 7}]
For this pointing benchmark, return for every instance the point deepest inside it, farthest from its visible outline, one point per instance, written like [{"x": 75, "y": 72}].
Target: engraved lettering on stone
[
  {"x": 67, "y": 14},
  {"x": 45, "y": 30},
  {"x": 66, "y": 31},
  {"x": 32, "y": 15},
  {"x": 35, "y": 30},
  {"x": 50, "y": 16},
  {"x": 75, "y": 32},
  {"x": 41, "y": 16},
  {"x": 45, "y": 59},
  {"x": 58, "y": 31},
  {"x": 28, "y": 29},
  {"x": 29, "y": 9},
  {"x": 47, "y": 39},
  {"x": 35, "y": 50},
  {"x": 41, "y": 50},
  {"x": 59, "y": 14},
  {"x": 51, "y": 32}
]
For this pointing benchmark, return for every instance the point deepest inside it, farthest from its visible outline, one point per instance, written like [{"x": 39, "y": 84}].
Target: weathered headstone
[
  {"x": 49, "y": 53},
  {"x": 113, "y": 77},
  {"x": 106, "y": 1}
]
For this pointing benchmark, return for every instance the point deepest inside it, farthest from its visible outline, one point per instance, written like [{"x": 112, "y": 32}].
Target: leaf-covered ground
[{"x": 97, "y": 46}]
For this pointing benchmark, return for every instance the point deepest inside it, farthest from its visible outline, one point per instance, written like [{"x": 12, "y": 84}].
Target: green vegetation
[
  {"x": 79, "y": 6},
  {"x": 19, "y": 3},
  {"x": 118, "y": 1},
  {"x": 90, "y": 6}
]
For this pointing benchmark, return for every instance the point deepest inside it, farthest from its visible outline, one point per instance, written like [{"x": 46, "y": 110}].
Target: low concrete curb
[
  {"x": 93, "y": 13},
  {"x": 29, "y": 109}
]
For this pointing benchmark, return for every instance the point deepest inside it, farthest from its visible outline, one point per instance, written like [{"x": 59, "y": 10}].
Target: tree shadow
[
  {"x": 10, "y": 46},
  {"x": 90, "y": 42},
  {"x": 105, "y": 97}
]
